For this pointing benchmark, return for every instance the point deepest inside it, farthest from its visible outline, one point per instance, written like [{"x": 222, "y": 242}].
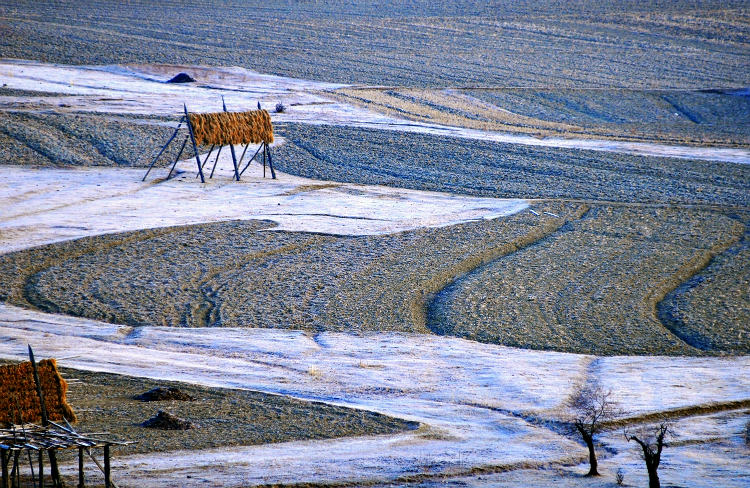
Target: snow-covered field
[
  {"x": 473, "y": 399},
  {"x": 46, "y": 205},
  {"x": 139, "y": 89}
]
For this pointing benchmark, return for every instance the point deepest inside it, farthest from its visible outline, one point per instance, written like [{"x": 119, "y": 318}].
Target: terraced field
[
  {"x": 474, "y": 167},
  {"x": 239, "y": 274},
  {"x": 626, "y": 45},
  {"x": 222, "y": 417},
  {"x": 708, "y": 117},
  {"x": 48, "y": 139},
  {"x": 701, "y": 306},
  {"x": 571, "y": 278},
  {"x": 593, "y": 286}
]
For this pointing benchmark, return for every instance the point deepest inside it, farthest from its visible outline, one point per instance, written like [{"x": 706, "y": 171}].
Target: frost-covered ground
[
  {"x": 470, "y": 397},
  {"x": 47, "y": 205},
  {"x": 138, "y": 89},
  {"x": 473, "y": 399}
]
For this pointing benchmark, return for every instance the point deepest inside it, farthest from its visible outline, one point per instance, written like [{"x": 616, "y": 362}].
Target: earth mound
[
  {"x": 182, "y": 78},
  {"x": 161, "y": 393},
  {"x": 166, "y": 421}
]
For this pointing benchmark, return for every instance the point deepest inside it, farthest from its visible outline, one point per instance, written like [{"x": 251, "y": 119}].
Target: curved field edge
[
  {"x": 421, "y": 304},
  {"x": 222, "y": 417},
  {"x": 501, "y": 170},
  {"x": 593, "y": 286},
  {"x": 692, "y": 117},
  {"x": 697, "y": 304},
  {"x": 238, "y": 274}
]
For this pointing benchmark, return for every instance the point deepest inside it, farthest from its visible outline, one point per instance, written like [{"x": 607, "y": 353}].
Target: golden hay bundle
[
  {"x": 19, "y": 401},
  {"x": 224, "y": 128}
]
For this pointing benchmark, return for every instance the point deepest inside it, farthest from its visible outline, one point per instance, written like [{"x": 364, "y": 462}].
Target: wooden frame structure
[
  {"x": 201, "y": 165},
  {"x": 25, "y": 439}
]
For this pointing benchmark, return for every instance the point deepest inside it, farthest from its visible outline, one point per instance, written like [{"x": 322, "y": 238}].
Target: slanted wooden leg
[
  {"x": 15, "y": 474},
  {"x": 178, "y": 156},
  {"x": 270, "y": 163},
  {"x": 215, "y": 161},
  {"x": 195, "y": 146},
  {"x": 251, "y": 159},
  {"x": 163, "y": 148}
]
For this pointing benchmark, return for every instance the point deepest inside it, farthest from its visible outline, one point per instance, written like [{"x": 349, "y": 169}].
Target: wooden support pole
[
  {"x": 5, "y": 458},
  {"x": 178, "y": 156},
  {"x": 208, "y": 155},
  {"x": 38, "y": 383},
  {"x": 15, "y": 474},
  {"x": 107, "y": 477},
  {"x": 270, "y": 163},
  {"x": 264, "y": 159},
  {"x": 41, "y": 468},
  {"x": 56, "y": 482},
  {"x": 218, "y": 153},
  {"x": 31, "y": 466},
  {"x": 251, "y": 159},
  {"x": 164, "y": 148},
  {"x": 54, "y": 470},
  {"x": 205, "y": 161},
  {"x": 81, "y": 478},
  {"x": 195, "y": 146}
]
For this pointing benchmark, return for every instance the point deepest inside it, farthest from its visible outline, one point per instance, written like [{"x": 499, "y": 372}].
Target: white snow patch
[
  {"x": 469, "y": 394},
  {"x": 46, "y": 205},
  {"x": 141, "y": 89}
]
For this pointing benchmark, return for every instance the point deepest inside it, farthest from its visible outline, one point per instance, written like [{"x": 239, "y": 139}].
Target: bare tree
[
  {"x": 591, "y": 406},
  {"x": 652, "y": 446}
]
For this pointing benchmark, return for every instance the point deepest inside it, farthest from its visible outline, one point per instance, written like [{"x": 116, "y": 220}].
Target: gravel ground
[
  {"x": 716, "y": 299},
  {"x": 603, "y": 276},
  {"x": 593, "y": 286},
  {"x": 493, "y": 169},
  {"x": 104, "y": 403},
  {"x": 237, "y": 274},
  {"x": 645, "y": 44},
  {"x": 708, "y": 117},
  {"x": 49, "y": 139}
]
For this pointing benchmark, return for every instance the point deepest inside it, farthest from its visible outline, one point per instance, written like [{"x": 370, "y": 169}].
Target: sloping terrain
[
  {"x": 483, "y": 168},
  {"x": 706, "y": 117},
  {"x": 63, "y": 140},
  {"x": 570, "y": 278},
  {"x": 628, "y": 44},
  {"x": 593, "y": 286}
]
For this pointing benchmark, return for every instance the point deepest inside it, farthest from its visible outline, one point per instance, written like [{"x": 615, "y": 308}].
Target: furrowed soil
[
  {"x": 699, "y": 308},
  {"x": 474, "y": 167},
  {"x": 423, "y": 43},
  {"x": 593, "y": 286},
  {"x": 706, "y": 117},
  {"x": 104, "y": 403},
  {"x": 60, "y": 140},
  {"x": 575, "y": 277}
]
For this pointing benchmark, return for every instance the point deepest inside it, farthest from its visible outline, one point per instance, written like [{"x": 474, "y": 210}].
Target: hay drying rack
[
  {"x": 185, "y": 119},
  {"x": 49, "y": 438}
]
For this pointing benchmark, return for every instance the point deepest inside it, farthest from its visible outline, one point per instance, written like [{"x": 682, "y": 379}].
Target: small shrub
[
  {"x": 619, "y": 477},
  {"x": 280, "y": 108}
]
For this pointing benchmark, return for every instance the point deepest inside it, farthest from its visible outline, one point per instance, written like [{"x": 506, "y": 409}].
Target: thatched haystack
[
  {"x": 225, "y": 128},
  {"x": 19, "y": 401}
]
